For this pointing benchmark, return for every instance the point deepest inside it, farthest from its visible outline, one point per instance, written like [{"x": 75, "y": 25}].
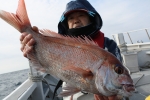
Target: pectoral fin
[
  {"x": 85, "y": 73},
  {"x": 68, "y": 90}
]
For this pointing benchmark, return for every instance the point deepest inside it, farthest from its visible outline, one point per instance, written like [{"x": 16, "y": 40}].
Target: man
[{"x": 79, "y": 19}]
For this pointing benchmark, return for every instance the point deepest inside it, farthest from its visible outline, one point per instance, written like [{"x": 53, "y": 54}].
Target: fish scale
[
  {"x": 56, "y": 60},
  {"x": 71, "y": 54}
]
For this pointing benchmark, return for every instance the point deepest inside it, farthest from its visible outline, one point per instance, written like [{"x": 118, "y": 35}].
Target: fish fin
[
  {"x": 68, "y": 90},
  {"x": 84, "y": 73},
  {"x": 20, "y": 20},
  {"x": 81, "y": 39},
  {"x": 47, "y": 32}
]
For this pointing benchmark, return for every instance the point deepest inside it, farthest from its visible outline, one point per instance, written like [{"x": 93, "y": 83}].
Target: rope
[
  {"x": 46, "y": 82},
  {"x": 36, "y": 78},
  {"x": 138, "y": 80}
]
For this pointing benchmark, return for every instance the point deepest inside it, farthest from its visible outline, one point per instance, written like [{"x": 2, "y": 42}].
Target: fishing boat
[{"x": 135, "y": 55}]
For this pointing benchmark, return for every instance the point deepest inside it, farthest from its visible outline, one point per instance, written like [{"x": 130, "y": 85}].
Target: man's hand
[{"x": 27, "y": 42}]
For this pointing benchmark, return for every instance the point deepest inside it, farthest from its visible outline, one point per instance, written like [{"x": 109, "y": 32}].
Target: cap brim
[{"x": 72, "y": 11}]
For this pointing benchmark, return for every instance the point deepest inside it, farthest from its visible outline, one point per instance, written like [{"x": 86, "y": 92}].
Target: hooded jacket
[
  {"x": 80, "y": 5},
  {"x": 84, "y": 5}
]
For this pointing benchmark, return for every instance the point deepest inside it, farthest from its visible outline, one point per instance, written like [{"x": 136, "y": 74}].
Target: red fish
[{"x": 79, "y": 62}]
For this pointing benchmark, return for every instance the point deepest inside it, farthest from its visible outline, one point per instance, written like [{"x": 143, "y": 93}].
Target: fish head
[{"x": 112, "y": 78}]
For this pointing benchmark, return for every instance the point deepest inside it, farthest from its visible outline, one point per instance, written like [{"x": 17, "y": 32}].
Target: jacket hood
[{"x": 79, "y": 5}]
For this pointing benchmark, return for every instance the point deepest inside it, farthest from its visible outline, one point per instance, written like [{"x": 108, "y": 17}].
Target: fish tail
[{"x": 20, "y": 20}]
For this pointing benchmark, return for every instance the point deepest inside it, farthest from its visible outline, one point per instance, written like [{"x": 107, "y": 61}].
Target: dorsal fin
[{"x": 82, "y": 39}]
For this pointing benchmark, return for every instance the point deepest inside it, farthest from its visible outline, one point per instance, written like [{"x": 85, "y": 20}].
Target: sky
[{"x": 118, "y": 16}]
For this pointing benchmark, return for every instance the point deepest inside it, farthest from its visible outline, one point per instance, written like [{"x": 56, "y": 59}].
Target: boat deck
[{"x": 142, "y": 83}]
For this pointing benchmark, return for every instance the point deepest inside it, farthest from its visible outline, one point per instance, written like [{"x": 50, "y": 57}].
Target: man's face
[{"x": 78, "y": 19}]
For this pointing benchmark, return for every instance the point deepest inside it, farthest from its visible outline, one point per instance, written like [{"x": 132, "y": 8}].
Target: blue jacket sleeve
[{"x": 112, "y": 47}]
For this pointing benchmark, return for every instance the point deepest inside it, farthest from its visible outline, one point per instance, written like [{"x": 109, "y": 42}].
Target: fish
[{"x": 78, "y": 61}]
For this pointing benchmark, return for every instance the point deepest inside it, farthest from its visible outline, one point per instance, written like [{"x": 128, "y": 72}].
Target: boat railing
[
  {"x": 39, "y": 86},
  {"x": 24, "y": 91},
  {"x": 135, "y": 35}
]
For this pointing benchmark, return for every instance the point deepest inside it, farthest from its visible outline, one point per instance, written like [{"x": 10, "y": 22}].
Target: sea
[{"x": 10, "y": 81}]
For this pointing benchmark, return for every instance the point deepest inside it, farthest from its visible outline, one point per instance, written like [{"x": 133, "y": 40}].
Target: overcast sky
[{"x": 117, "y": 15}]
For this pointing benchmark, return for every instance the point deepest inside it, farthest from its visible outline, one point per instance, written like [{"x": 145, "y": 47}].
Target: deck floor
[{"x": 142, "y": 83}]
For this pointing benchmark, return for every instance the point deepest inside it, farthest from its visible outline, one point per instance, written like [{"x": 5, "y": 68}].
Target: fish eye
[{"x": 118, "y": 69}]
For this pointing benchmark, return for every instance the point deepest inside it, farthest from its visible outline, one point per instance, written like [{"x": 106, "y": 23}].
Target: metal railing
[{"x": 129, "y": 36}]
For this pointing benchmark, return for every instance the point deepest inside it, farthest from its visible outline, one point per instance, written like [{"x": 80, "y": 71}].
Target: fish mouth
[
  {"x": 125, "y": 89},
  {"x": 128, "y": 88}
]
